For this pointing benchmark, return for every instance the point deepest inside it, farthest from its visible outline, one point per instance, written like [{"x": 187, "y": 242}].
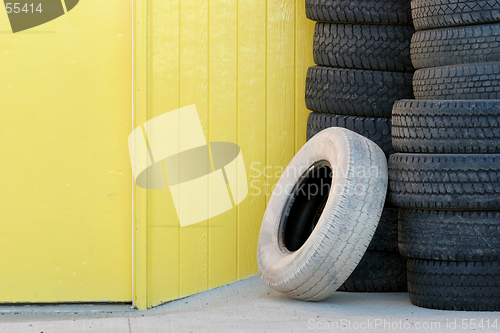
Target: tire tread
[
  {"x": 358, "y": 46},
  {"x": 352, "y": 92},
  {"x": 459, "y": 286},
  {"x": 445, "y": 181}
]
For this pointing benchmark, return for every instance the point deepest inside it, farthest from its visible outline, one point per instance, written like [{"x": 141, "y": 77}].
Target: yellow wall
[
  {"x": 243, "y": 63},
  {"x": 65, "y": 200},
  {"x": 65, "y": 89}
]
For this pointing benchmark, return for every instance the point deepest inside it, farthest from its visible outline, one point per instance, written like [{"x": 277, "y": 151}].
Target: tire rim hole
[{"x": 305, "y": 206}]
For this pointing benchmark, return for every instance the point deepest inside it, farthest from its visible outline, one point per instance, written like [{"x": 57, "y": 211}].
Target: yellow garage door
[{"x": 65, "y": 198}]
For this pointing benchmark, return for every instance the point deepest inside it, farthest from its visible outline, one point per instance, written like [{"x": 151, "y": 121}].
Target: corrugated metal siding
[{"x": 243, "y": 63}]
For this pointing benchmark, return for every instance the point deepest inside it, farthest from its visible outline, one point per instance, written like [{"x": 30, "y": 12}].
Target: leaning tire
[
  {"x": 472, "y": 81},
  {"x": 393, "y": 12},
  {"x": 361, "y": 46},
  {"x": 306, "y": 251},
  {"x": 454, "y": 46},
  {"x": 376, "y": 129},
  {"x": 446, "y": 127},
  {"x": 430, "y": 14},
  {"x": 378, "y": 272},
  {"x": 445, "y": 182},
  {"x": 449, "y": 285},
  {"x": 352, "y": 92},
  {"x": 449, "y": 235}
]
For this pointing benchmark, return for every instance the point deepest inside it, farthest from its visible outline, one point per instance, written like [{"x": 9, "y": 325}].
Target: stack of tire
[
  {"x": 362, "y": 52},
  {"x": 446, "y": 175}
]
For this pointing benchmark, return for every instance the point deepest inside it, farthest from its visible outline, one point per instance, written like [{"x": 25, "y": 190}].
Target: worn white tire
[{"x": 344, "y": 228}]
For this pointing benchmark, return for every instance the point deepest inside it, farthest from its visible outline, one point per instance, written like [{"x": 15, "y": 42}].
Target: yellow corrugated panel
[
  {"x": 252, "y": 101},
  {"x": 280, "y": 139},
  {"x": 163, "y": 225},
  {"x": 142, "y": 104},
  {"x": 243, "y": 64},
  {"x": 304, "y": 32},
  {"x": 223, "y": 127},
  {"x": 65, "y": 199},
  {"x": 193, "y": 56}
]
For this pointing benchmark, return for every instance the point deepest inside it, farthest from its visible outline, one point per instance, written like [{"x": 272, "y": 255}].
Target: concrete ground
[{"x": 249, "y": 306}]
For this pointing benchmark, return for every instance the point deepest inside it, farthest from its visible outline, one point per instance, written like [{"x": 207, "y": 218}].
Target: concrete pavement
[{"x": 249, "y": 306}]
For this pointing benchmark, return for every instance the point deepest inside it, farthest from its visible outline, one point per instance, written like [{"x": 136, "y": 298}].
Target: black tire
[
  {"x": 394, "y": 12},
  {"x": 378, "y": 271},
  {"x": 386, "y": 235},
  {"x": 446, "y": 127},
  {"x": 430, "y": 14},
  {"x": 352, "y": 92},
  {"x": 445, "y": 182},
  {"x": 459, "y": 286},
  {"x": 472, "y": 81},
  {"x": 358, "y": 46},
  {"x": 376, "y": 129},
  {"x": 449, "y": 235},
  {"x": 454, "y": 46}
]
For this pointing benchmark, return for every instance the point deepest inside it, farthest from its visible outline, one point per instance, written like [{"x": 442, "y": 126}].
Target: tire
[
  {"x": 393, "y": 12},
  {"x": 378, "y": 271},
  {"x": 358, "y": 46},
  {"x": 431, "y": 14},
  {"x": 473, "y": 81},
  {"x": 455, "y": 46},
  {"x": 449, "y": 235},
  {"x": 386, "y": 235},
  {"x": 352, "y": 92},
  {"x": 445, "y": 182},
  {"x": 459, "y": 286},
  {"x": 376, "y": 129},
  {"x": 309, "y": 242},
  {"x": 446, "y": 127}
]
